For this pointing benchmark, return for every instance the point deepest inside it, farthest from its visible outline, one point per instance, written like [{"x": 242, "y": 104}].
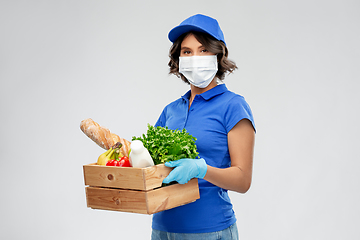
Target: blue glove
[{"x": 186, "y": 169}]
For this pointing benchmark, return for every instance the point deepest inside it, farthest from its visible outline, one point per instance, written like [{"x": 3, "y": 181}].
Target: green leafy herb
[{"x": 165, "y": 144}]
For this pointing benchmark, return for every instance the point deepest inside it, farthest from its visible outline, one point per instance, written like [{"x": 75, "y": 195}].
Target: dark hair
[{"x": 211, "y": 44}]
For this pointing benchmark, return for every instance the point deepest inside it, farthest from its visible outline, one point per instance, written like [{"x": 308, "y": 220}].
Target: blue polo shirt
[{"x": 211, "y": 116}]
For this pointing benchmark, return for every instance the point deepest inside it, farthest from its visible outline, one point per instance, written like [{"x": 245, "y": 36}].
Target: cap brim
[{"x": 176, "y": 32}]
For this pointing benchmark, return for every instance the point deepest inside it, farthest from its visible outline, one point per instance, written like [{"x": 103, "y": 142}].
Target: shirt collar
[{"x": 219, "y": 89}]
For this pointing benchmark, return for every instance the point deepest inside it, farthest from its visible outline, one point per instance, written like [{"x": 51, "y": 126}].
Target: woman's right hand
[{"x": 186, "y": 169}]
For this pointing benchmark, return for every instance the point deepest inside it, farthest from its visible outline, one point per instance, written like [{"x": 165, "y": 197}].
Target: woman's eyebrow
[{"x": 185, "y": 47}]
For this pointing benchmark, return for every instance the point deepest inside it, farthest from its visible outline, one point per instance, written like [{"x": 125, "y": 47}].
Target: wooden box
[{"x": 136, "y": 190}]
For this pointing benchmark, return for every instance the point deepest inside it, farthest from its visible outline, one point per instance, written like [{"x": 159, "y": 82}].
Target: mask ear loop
[{"x": 218, "y": 81}]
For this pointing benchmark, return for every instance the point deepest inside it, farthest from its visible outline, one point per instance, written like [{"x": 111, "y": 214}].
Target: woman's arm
[{"x": 237, "y": 177}]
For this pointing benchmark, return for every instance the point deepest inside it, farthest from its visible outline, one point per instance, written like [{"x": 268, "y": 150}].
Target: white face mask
[{"x": 199, "y": 70}]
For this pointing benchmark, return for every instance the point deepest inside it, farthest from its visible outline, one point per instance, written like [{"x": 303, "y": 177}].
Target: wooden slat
[
  {"x": 145, "y": 202},
  {"x": 116, "y": 177},
  {"x": 172, "y": 196},
  {"x": 116, "y": 199},
  {"x": 125, "y": 177}
]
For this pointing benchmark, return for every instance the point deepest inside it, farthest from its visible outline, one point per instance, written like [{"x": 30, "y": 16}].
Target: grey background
[{"x": 64, "y": 61}]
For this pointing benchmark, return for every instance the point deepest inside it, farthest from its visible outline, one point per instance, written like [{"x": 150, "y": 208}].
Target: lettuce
[{"x": 165, "y": 144}]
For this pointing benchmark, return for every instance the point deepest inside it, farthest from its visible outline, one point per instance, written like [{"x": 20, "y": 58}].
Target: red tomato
[
  {"x": 124, "y": 162},
  {"x": 111, "y": 162}
]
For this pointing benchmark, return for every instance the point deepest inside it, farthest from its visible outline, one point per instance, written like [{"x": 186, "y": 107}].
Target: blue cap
[{"x": 199, "y": 23}]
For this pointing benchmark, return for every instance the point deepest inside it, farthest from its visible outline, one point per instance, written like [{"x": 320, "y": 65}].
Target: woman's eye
[
  {"x": 204, "y": 50},
  {"x": 186, "y": 52}
]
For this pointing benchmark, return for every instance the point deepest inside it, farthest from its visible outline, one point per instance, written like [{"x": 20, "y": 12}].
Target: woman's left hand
[{"x": 186, "y": 169}]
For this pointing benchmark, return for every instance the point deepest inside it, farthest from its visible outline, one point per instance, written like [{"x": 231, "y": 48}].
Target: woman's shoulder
[
  {"x": 233, "y": 96},
  {"x": 235, "y": 100}
]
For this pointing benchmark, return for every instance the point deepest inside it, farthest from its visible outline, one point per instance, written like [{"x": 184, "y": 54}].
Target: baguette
[{"x": 103, "y": 137}]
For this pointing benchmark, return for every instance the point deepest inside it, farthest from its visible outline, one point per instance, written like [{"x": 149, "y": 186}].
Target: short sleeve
[{"x": 236, "y": 110}]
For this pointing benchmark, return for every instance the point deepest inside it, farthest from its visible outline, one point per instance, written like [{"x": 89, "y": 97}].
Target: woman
[{"x": 223, "y": 124}]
